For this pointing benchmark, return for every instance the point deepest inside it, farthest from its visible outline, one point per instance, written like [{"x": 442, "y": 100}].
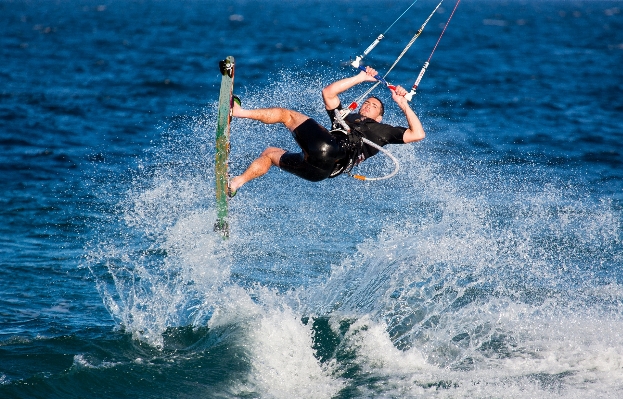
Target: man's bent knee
[
  {"x": 274, "y": 154},
  {"x": 294, "y": 119}
]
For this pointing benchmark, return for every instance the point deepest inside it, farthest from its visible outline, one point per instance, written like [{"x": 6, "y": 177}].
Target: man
[{"x": 327, "y": 154}]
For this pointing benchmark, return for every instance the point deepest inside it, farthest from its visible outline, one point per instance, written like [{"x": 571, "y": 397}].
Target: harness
[
  {"x": 350, "y": 138},
  {"x": 352, "y": 144}
]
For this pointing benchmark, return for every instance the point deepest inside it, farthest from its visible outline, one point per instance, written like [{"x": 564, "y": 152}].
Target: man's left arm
[
  {"x": 415, "y": 132},
  {"x": 331, "y": 92}
]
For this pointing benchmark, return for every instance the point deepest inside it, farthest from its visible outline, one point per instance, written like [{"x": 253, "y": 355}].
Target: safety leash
[{"x": 384, "y": 151}]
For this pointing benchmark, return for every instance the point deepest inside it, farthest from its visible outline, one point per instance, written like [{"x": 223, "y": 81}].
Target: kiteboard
[{"x": 221, "y": 159}]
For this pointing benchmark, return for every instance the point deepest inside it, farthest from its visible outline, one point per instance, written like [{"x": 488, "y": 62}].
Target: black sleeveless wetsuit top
[{"x": 378, "y": 133}]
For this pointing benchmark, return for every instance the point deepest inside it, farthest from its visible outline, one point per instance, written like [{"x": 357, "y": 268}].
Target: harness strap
[{"x": 339, "y": 115}]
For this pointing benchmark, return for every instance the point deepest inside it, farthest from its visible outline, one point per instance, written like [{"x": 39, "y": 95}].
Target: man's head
[{"x": 372, "y": 108}]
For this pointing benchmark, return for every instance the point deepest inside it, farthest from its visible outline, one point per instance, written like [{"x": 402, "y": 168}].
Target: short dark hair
[{"x": 382, "y": 105}]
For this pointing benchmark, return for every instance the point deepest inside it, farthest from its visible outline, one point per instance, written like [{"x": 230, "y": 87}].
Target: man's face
[{"x": 371, "y": 108}]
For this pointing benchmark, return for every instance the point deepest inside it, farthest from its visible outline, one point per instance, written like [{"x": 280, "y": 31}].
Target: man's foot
[
  {"x": 236, "y": 105},
  {"x": 230, "y": 193}
]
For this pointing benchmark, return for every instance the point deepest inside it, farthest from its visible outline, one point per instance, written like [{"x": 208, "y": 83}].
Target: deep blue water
[{"x": 491, "y": 266}]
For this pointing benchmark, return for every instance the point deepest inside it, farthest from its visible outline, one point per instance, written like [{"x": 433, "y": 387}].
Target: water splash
[
  {"x": 431, "y": 285},
  {"x": 159, "y": 264}
]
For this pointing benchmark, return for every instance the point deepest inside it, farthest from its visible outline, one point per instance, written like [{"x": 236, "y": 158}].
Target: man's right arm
[
  {"x": 415, "y": 132},
  {"x": 331, "y": 92}
]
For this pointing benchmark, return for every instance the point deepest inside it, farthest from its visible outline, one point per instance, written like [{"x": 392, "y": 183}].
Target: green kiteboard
[{"x": 225, "y": 104}]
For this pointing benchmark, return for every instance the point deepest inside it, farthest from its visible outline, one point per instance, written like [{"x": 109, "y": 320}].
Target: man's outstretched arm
[
  {"x": 415, "y": 132},
  {"x": 331, "y": 92}
]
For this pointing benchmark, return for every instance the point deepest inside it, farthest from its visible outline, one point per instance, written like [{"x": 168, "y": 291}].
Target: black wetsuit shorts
[{"x": 320, "y": 152}]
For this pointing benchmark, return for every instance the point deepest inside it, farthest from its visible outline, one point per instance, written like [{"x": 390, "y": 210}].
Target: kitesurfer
[{"x": 325, "y": 153}]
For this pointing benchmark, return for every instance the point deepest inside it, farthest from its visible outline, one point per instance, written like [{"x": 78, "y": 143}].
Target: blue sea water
[{"x": 489, "y": 267}]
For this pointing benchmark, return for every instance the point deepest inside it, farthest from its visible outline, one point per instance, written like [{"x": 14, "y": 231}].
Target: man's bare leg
[
  {"x": 258, "y": 168},
  {"x": 291, "y": 119}
]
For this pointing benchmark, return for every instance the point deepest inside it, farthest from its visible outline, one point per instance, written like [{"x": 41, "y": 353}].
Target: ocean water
[{"x": 489, "y": 267}]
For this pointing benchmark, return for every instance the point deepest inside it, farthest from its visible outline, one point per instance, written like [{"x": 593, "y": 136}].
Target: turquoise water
[{"x": 490, "y": 266}]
